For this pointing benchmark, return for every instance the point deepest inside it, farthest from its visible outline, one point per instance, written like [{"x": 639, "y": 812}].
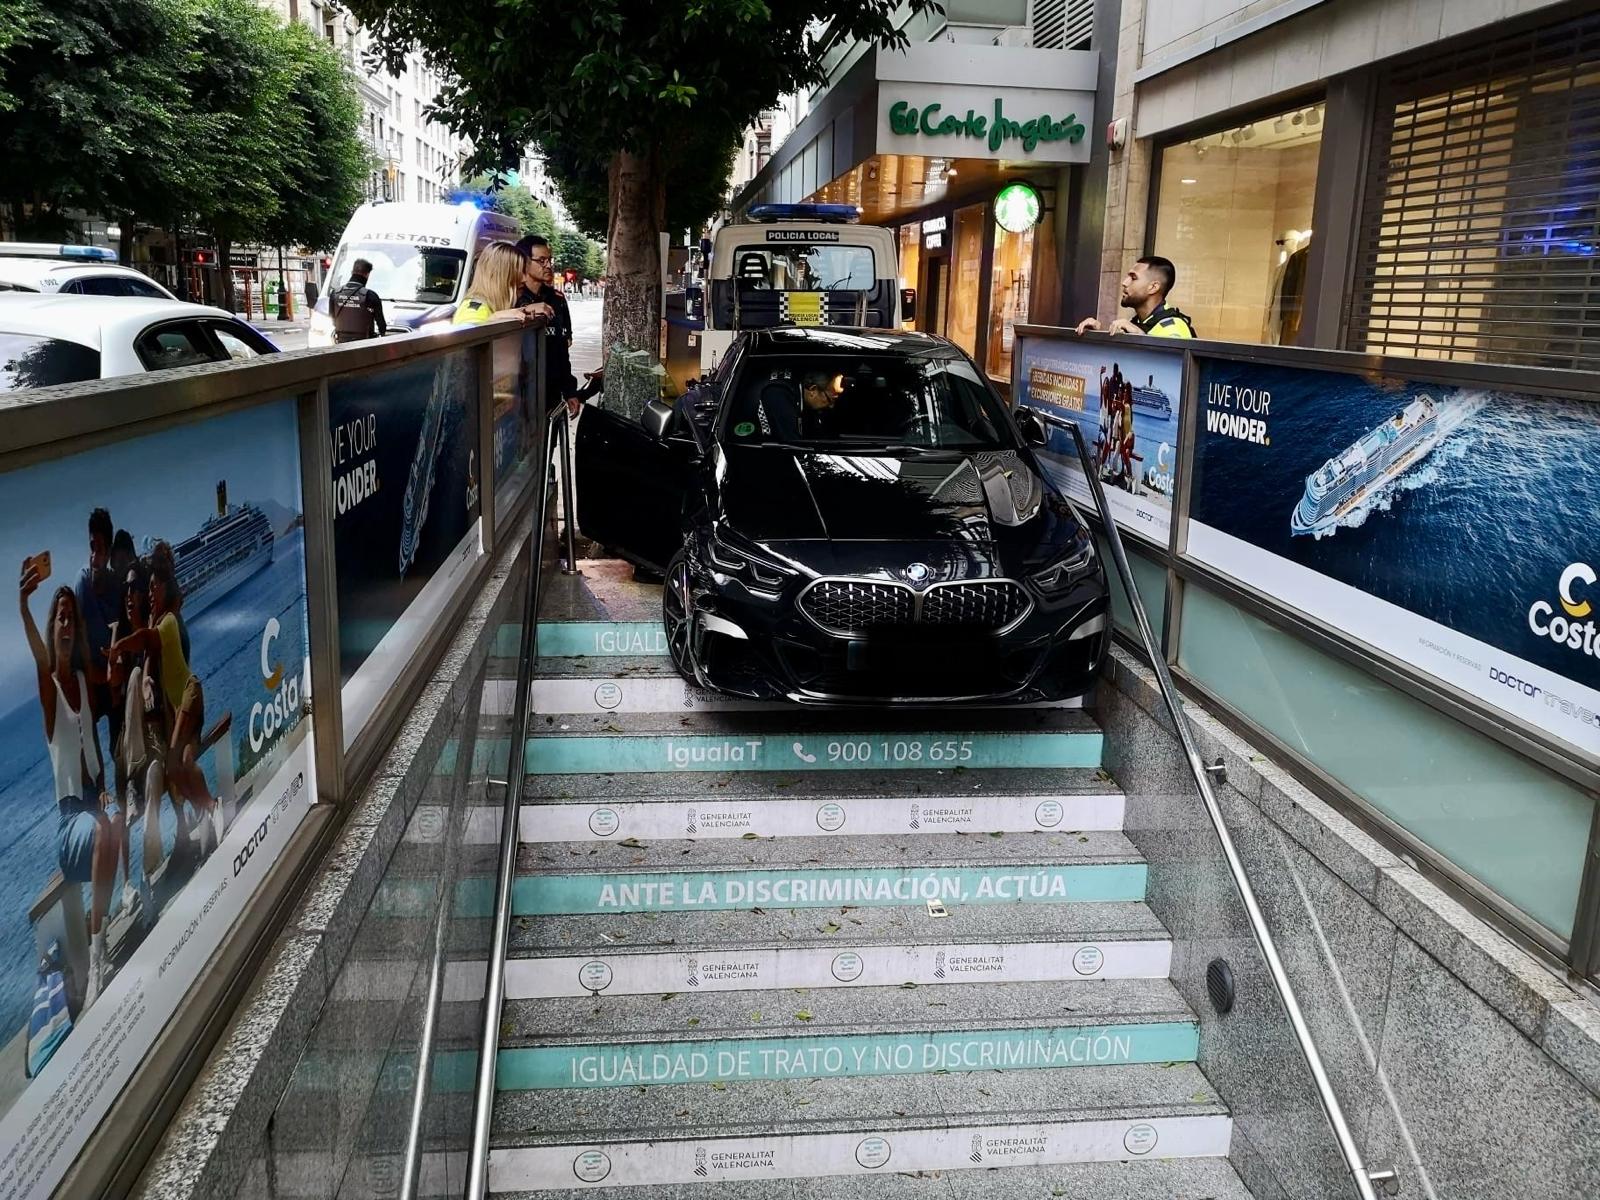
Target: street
[{"x": 586, "y": 350}]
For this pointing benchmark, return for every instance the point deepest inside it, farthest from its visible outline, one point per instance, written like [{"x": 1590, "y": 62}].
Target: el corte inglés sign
[{"x": 993, "y": 127}]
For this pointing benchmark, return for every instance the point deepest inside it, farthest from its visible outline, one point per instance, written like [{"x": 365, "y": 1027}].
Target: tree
[
  {"x": 91, "y": 100},
  {"x": 594, "y": 262},
  {"x": 653, "y": 83},
  {"x": 324, "y": 163},
  {"x": 516, "y": 202},
  {"x": 571, "y": 250},
  {"x": 204, "y": 111}
]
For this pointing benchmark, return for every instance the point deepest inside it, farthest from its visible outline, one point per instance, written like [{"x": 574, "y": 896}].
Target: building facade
[
  {"x": 416, "y": 158},
  {"x": 1401, "y": 176}
]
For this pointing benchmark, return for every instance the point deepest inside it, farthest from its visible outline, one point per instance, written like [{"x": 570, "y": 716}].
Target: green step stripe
[
  {"x": 819, "y": 887},
  {"x": 843, "y": 1056},
  {"x": 570, "y": 755},
  {"x": 601, "y": 639},
  {"x": 877, "y": 887}
]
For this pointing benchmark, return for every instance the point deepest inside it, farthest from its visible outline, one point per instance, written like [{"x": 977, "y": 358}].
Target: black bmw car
[{"x": 850, "y": 517}]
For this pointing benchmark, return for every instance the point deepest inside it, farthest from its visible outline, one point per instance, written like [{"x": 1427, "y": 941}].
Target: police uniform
[{"x": 1166, "y": 322}]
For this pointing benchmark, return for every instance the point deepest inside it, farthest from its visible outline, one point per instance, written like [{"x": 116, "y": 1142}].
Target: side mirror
[
  {"x": 1034, "y": 431},
  {"x": 655, "y": 418},
  {"x": 312, "y": 291},
  {"x": 908, "y": 304}
]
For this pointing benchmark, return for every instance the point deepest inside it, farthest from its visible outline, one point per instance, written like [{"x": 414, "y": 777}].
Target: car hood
[{"x": 988, "y": 511}]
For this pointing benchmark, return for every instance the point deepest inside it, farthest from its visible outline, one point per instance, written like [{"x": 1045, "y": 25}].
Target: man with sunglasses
[{"x": 539, "y": 288}]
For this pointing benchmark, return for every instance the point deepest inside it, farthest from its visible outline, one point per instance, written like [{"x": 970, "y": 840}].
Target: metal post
[
  {"x": 568, "y": 506},
  {"x": 322, "y": 594},
  {"x": 516, "y": 767}
]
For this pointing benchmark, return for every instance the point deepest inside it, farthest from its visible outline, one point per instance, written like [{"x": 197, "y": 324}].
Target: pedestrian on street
[
  {"x": 1145, "y": 289},
  {"x": 492, "y": 291},
  {"x": 356, "y": 309},
  {"x": 539, "y": 288}
]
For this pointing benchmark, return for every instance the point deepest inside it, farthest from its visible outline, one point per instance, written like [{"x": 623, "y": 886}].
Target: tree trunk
[
  {"x": 125, "y": 230},
  {"x": 638, "y": 195}
]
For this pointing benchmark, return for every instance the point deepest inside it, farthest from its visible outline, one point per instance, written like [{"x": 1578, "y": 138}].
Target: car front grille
[
  {"x": 853, "y": 606},
  {"x": 990, "y": 604},
  {"x": 849, "y": 607}
]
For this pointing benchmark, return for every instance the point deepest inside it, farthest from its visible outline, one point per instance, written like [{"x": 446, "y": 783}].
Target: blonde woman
[{"x": 492, "y": 290}]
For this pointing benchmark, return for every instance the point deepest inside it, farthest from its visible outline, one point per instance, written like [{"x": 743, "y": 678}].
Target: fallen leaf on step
[
  {"x": 805, "y": 1014},
  {"x": 756, "y": 1016},
  {"x": 694, "y": 1021},
  {"x": 909, "y": 985},
  {"x": 985, "y": 1092},
  {"x": 830, "y": 927},
  {"x": 665, "y": 996},
  {"x": 759, "y": 911},
  {"x": 632, "y": 844},
  {"x": 682, "y": 1112},
  {"x": 719, "y": 1086},
  {"x": 1083, "y": 839},
  {"x": 750, "y": 837},
  {"x": 997, "y": 835}
]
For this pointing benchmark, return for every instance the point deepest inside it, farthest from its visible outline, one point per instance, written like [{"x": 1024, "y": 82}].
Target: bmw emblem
[{"x": 918, "y": 573}]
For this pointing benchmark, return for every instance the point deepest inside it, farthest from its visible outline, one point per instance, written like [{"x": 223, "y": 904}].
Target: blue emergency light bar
[
  {"x": 56, "y": 250},
  {"x": 831, "y": 213}
]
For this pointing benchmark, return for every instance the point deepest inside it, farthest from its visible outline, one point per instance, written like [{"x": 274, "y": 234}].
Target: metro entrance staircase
[{"x": 760, "y": 951}]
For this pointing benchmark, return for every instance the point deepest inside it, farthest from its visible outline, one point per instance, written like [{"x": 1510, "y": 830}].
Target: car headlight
[
  {"x": 741, "y": 559},
  {"x": 1069, "y": 567}
]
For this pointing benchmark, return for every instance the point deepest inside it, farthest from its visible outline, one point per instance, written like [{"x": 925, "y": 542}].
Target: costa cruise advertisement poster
[{"x": 1451, "y": 528}]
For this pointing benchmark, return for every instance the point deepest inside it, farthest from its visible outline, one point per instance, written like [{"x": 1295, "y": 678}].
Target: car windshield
[
  {"x": 804, "y": 267},
  {"x": 403, "y": 272},
  {"x": 29, "y": 361},
  {"x": 864, "y": 400}
]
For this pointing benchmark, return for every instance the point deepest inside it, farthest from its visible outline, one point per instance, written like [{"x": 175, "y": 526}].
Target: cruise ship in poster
[{"x": 229, "y": 548}]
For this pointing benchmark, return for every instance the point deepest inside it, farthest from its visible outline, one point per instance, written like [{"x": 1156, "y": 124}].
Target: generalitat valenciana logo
[{"x": 1572, "y": 630}]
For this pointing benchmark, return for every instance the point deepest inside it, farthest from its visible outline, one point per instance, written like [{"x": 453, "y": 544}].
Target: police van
[
  {"x": 801, "y": 264},
  {"x": 422, "y": 257}
]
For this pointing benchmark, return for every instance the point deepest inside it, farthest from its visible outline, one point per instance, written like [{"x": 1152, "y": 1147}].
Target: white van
[
  {"x": 801, "y": 264},
  {"x": 421, "y": 255}
]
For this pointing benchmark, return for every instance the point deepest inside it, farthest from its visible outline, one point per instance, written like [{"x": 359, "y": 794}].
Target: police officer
[
  {"x": 1144, "y": 290},
  {"x": 355, "y": 308}
]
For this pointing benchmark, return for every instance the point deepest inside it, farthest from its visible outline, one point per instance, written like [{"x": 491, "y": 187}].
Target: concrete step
[
  {"x": 716, "y": 817},
  {"x": 1147, "y": 1179},
  {"x": 952, "y": 783},
  {"x": 801, "y": 1129},
  {"x": 851, "y": 947},
  {"x": 628, "y": 1042},
  {"x": 743, "y": 929},
  {"x": 639, "y": 683},
  {"x": 824, "y": 872}
]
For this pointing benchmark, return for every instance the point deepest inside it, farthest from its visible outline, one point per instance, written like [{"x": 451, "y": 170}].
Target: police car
[
  {"x": 71, "y": 271},
  {"x": 801, "y": 264},
  {"x": 46, "y": 340}
]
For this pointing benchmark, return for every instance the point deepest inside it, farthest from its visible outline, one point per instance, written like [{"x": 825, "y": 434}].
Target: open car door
[{"x": 630, "y": 487}]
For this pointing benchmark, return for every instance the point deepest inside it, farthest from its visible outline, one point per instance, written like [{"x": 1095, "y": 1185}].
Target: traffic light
[{"x": 204, "y": 258}]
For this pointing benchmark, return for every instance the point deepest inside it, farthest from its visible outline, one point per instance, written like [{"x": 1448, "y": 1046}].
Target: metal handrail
[
  {"x": 522, "y": 715},
  {"x": 1332, "y": 1109}
]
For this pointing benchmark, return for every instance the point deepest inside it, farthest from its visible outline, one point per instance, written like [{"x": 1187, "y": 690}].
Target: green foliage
[
  {"x": 571, "y": 250},
  {"x": 198, "y": 110},
  {"x": 93, "y": 99},
  {"x": 324, "y": 163},
  {"x": 516, "y": 202},
  {"x": 594, "y": 262}
]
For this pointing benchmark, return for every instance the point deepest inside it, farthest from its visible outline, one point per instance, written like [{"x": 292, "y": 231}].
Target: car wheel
[{"x": 677, "y": 614}]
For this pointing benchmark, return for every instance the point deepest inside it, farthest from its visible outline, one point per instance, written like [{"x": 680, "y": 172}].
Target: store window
[
  {"x": 1481, "y": 231},
  {"x": 910, "y": 258},
  {"x": 1008, "y": 297},
  {"x": 1234, "y": 216},
  {"x": 963, "y": 323}
]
